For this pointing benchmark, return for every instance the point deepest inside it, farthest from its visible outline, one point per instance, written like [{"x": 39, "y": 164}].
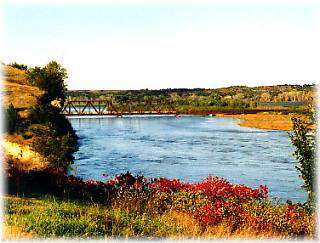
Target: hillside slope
[{"x": 17, "y": 91}]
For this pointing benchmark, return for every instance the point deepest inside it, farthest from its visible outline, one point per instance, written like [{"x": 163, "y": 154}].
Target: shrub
[
  {"x": 57, "y": 148},
  {"x": 48, "y": 114},
  {"x": 18, "y": 66},
  {"x": 286, "y": 219},
  {"x": 12, "y": 120}
]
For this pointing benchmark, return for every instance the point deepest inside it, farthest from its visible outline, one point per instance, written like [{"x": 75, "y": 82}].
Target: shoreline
[{"x": 266, "y": 121}]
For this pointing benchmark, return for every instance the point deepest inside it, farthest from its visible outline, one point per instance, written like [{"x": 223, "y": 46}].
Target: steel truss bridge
[{"x": 92, "y": 107}]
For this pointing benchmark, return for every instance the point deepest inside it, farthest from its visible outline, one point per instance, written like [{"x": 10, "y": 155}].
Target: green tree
[
  {"x": 51, "y": 79},
  {"x": 303, "y": 139},
  {"x": 54, "y": 136}
]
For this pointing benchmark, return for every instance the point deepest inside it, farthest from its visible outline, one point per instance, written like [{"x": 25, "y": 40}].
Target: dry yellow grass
[
  {"x": 192, "y": 229},
  {"x": 20, "y": 96},
  {"x": 23, "y": 157},
  {"x": 271, "y": 121},
  {"x": 224, "y": 231},
  {"x": 15, "y": 233},
  {"x": 17, "y": 90},
  {"x": 14, "y": 75},
  {"x": 182, "y": 221}
]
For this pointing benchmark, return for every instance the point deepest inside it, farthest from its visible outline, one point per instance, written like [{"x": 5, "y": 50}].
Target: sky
[{"x": 166, "y": 44}]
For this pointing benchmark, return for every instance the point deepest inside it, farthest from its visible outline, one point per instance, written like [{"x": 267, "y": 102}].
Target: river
[{"x": 189, "y": 148}]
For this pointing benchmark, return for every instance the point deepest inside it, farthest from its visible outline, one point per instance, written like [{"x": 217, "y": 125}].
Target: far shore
[{"x": 269, "y": 121}]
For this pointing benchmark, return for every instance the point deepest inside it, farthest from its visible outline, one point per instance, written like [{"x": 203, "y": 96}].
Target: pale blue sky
[{"x": 167, "y": 44}]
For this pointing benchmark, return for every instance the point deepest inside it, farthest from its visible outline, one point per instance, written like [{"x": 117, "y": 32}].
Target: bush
[
  {"x": 19, "y": 66},
  {"x": 44, "y": 113},
  {"x": 57, "y": 148},
  {"x": 55, "y": 138},
  {"x": 12, "y": 120}
]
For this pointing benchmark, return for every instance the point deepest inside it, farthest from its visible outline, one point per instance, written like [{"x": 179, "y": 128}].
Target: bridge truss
[{"x": 91, "y": 107}]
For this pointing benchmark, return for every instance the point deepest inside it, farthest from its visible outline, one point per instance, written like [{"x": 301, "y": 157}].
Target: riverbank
[{"x": 270, "y": 121}]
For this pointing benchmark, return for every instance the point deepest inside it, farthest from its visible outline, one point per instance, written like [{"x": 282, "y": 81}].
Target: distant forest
[{"x": 291, "y": 97}]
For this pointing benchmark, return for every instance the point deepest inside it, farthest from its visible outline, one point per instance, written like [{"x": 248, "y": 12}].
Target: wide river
[{"x": 189, "y": 148}]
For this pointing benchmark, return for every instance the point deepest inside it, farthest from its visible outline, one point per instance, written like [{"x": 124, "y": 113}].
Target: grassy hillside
[
  {"x": 23, "y": 96},
  {"x": 18, "y": 91},
  {"x": 15, "y": 75}
]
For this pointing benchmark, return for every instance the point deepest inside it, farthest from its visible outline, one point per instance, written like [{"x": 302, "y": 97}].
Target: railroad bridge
[{"x": 96, "y": 107}]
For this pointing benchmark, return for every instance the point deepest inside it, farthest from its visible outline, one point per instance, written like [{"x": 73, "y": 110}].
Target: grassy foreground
[
  {"x": 133, "y": 207},
  {"x": 52, "y": 217},
  {"x": 49, "y": 216}
]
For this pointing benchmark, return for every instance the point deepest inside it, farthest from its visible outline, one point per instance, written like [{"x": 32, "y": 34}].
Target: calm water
[{"x": 189, "y": 148}]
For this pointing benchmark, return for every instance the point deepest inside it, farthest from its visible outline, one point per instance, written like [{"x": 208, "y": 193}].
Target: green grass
[
  {"x": 131, "y": 217},
  {"x": 51, "y": 217}
]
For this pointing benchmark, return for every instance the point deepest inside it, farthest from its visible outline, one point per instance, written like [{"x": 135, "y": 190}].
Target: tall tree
[
  {"x": 51, "y": 79},
  {"x": 303, "y": 139}
]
